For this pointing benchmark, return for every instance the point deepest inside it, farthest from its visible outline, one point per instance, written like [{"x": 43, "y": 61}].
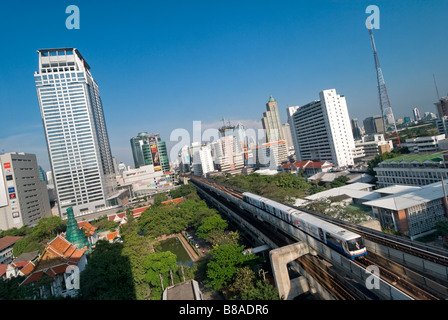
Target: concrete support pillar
[{"x": 280, "y": 257}]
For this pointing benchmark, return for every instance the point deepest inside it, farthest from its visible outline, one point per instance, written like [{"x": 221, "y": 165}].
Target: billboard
[{"x": 155, "y": 154}]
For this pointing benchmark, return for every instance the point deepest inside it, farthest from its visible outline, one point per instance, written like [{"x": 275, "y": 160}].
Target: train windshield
[{"x": 355, "y": 244}]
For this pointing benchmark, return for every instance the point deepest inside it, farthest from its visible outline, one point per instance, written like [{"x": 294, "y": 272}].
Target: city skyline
[{"x": 222, "y": 60}]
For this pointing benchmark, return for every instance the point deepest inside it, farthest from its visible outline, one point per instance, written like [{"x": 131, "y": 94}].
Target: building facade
[
  {"x": 202, "y": 159},
  {"x": 23, "y": 196},
  {"x": 271, "y": 155},
  {"x": 271, "y": 122},
  {"x": 75, "y": 131},
  {"x": 412, "y": 170},
  {"x": 145, "y": 180},
  {"x": 373, "y": 125},
  {"x": 149, "y": 149},
  {"x": 321, "y": 130},
  {"x": 413, "y": 212},
  {"x": 428, "y": 144}
]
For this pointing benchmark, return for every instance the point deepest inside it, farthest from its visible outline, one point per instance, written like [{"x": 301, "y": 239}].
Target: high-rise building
[
  {"x": 75, "y": 131},
  {"x": 416, "y": 114},
  {"x": 202, "y": 159},
  {"x": 271, "y": 155},
  {"x": 271, "y": 122},
  {"x": 288, "y": 137},
  {"x": 23, "y": 196},
  {"x": 356, "y": 130},
  {"x": 373, "y": 125},
  {"x": 149, "y": 149},
  {"x": 321, "y": 130}
]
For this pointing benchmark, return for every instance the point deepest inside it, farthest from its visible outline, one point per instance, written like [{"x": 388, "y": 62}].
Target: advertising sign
[
  {"x": 12, "y": 196},
  {"x": 7, "y": 165},
  {"x": 11, "y": 190},
  {"x": 155, "y": 154}
]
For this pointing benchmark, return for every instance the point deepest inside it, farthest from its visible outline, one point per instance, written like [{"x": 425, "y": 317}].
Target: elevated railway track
[{"x": 392, "y": 275}]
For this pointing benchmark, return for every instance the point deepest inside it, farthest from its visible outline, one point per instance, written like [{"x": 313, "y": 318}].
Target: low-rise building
[
  {"x": 412, "y": 169},
  {"x": 58, "y": 257},
  {"x": 412, "y": 212},
  {"x": 145, "y": 180},
  {"x": 6, "y": 248},
  {"x": 370, "y": 146},
  {"x": 307, "y": 168},
  {"x": 428, "y": 144}
]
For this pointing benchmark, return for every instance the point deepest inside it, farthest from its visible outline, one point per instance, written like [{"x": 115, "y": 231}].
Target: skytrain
[{"x": 344, "y": 241}]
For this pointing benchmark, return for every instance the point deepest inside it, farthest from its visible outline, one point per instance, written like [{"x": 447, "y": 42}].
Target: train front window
[{"x": 355, "y": 244}]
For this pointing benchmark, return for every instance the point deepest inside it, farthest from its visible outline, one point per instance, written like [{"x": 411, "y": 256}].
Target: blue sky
[{"x": 162, "y": 65}]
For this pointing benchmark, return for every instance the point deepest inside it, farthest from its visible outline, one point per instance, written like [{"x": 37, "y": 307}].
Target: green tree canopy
[
  {"x": 224, "y": 264},
  {"x": 108, "y": 275},
  {"x": 209, "y": 224},
  {"x": 158, "y": 263}
]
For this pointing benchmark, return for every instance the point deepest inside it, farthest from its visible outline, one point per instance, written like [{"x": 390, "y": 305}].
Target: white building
[
  {"x": 23, "y": 196},
  {"x": 371, "y": 145},
  {"x": 145, "y": 180},
  {"x": 412, "y": 170},
  {"x": 75, "y": 131},
  {"x": 321, "y": 130},
  {"x": 202, "y": 159},
  {"x": 424, "y": 144},
  {"x": 227, "y": 154}
]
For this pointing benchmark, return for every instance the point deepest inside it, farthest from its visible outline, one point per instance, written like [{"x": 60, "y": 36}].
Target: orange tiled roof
[
  {"x": 111, "y": 235},
  {"x": 87, "y": 227},
  {"x": 28, "y": 268},
  {"x": 57, "y": 256}
]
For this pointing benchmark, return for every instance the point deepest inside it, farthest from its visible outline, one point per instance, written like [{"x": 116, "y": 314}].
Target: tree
[
  {"x": 48, "y": 228},
  {"x": 224, "y": 264},
  {"x": 209, "y": 224},
  {"x": 157, "y": 266},
  {"x": 442, "y": 228},
  {"x": 182, "y": 191},
  {"x": 136, "y": 248},
  {"x": 108, "y": 275},
  {"x": 159, "y": 198},
  {"x": 261, "y": 290},
  {"x": 377, "y": 160},
  {"x": 339, "y": 181}
]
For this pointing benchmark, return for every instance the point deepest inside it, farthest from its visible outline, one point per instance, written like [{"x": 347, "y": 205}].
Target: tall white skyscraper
[
  {"x": 321, "y": 130},
  {"x": 75, "y": 130}
]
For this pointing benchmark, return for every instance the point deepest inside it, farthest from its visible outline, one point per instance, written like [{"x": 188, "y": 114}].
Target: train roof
[{"x": 309, "y": 218}]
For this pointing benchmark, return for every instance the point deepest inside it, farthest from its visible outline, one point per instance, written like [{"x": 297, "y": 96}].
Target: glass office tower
[
  {"x": 75, "y": 131},
  {"x": 149, "y": 149}
]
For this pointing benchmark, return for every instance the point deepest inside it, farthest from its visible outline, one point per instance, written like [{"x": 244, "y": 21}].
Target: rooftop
[
  {"x": 404, "y": 200},
  {"x": 8, "y": 241},
  {"x": 432, "y": 157}
]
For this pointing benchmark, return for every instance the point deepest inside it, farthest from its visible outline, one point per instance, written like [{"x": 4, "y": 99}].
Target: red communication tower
[{"x": 386, "y": 110}]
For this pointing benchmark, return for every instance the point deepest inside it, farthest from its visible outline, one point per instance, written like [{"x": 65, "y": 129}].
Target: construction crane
[{"x": 386, "y": 109}]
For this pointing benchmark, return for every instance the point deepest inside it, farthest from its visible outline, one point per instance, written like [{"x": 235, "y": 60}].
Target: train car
[{"x": 344, "y": 241}]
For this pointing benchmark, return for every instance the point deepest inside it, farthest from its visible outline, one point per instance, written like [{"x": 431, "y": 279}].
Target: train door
[{"x": 321, "y": 234}]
